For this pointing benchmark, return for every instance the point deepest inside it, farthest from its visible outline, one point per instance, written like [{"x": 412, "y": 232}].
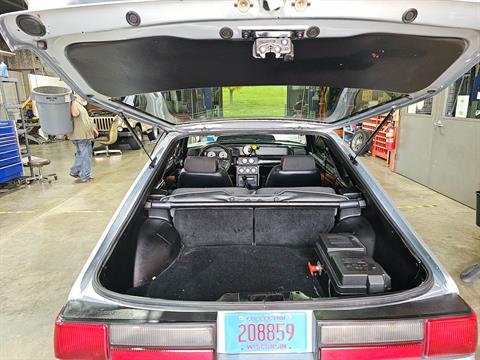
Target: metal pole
[
  {"x": 27, "y": 145},
  {"x": 4, "y": 100}
]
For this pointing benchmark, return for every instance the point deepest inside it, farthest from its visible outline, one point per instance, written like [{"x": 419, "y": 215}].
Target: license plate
[{"x": 264, "y": 332}]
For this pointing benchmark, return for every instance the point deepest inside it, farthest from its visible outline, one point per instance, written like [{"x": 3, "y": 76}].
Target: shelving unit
[
  {"x": 379, "y": 144},
  {"x": 10, "y": 152},
  {"x": 347, "y": 132}
]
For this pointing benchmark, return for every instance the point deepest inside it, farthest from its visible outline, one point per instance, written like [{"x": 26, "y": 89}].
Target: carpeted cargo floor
[{"x": 206, "y": 273}]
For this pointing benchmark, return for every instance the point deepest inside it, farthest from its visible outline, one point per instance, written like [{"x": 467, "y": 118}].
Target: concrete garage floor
[{"x": 48, "y": 231}]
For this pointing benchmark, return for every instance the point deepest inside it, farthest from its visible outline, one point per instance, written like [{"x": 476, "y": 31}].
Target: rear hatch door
[{"x": 110, "y": 52}]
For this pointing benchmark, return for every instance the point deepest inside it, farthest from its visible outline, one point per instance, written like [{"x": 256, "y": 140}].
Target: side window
[
  {"x": 463, "y": 99},
  {"x": 175, "y": 155},
  {"x": 322, "y": 153},
  {"x": 421, "y": 108},
  {"x": 366, "y": 99}
]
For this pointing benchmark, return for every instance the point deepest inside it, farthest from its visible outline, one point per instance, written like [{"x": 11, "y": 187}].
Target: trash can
[{"x": 53, "y": 106}]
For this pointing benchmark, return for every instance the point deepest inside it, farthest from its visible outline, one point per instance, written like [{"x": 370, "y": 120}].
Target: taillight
[
  {"x": 451, "y": 336},
  {"x": 398, "y": 339},
  {"x": 80, "y": 341}
]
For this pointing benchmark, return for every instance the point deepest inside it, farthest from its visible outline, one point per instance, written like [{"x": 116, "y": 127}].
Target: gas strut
[
  {"x": 369, "y": 141},
  {"x": 139, "y": 141}
]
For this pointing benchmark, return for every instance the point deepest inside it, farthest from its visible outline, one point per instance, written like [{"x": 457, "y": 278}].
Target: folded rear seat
[
  {"x": 284, "y": 226},
  {"x": 214, "y": 226},
  {"x": 298, "y": 226},
  {"x": 199, "y": 226}
]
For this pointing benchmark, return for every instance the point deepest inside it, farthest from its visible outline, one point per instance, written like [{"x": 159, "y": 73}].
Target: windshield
[
  {"x": 202, "y": 140},
  {"x": 314, "y": 103}
]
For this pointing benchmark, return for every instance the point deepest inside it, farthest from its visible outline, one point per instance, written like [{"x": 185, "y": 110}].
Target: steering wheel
[{"x": 223, "y": 163}]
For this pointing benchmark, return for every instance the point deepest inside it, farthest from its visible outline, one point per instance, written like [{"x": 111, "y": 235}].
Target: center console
[{"x": 247, "y": 171}]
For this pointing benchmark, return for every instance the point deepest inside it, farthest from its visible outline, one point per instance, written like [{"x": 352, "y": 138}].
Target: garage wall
[{"x": 441, "y": 152}]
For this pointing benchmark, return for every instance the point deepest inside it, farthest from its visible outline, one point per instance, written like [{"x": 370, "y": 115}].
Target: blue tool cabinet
[{"x": 10, "y": 159}]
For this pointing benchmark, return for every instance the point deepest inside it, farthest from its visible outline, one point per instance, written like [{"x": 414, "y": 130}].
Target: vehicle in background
[{"x": 104, "y": 119}]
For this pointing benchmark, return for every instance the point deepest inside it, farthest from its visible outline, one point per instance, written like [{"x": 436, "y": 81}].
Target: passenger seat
[{"x": 294, "y": 171}]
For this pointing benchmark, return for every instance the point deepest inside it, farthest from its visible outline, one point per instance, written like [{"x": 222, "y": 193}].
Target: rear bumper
[
  {"x": 446, "y": 305},
  {"x": 377, "y": 332}
]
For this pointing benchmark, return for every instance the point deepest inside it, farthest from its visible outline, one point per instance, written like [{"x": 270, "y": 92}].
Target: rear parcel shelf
[{"x": 159, "y": 205}]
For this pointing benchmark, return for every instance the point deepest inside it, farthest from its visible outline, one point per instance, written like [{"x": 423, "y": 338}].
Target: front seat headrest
[
  {"x": 298, "y": 163},
  {"x": 203, "y": 172},
  {"x": 294, "y": 171},
  {"x": 198, "y": 164}
]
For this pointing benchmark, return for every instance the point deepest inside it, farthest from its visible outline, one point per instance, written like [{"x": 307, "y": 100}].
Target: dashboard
[
  {"x": 218, "y": 151},
  {"x": 261, "y": 150}
]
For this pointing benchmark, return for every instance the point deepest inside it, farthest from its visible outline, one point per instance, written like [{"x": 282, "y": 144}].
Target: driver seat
[{"x": 203, "y": 172}]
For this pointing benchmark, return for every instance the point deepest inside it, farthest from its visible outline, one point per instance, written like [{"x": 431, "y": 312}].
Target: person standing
[{"x": 84, "y": 131}]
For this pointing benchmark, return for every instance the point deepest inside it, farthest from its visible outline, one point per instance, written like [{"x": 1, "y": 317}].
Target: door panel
[
  {"x": 441, "y": 153},
  {"x": 414, "y": 147},
  {"x": 455, "y": 159}
]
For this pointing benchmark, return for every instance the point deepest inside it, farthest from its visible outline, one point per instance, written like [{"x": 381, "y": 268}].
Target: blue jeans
[{"x": 82, "y": 164}]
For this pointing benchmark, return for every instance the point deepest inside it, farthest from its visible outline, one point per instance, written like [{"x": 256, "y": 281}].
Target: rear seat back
[
  {"x": 285, "y": 226},
  {"x": 292, "y": 226},
  {"x": 244, "y": 226},
  {"x": 214, "y": 226}
]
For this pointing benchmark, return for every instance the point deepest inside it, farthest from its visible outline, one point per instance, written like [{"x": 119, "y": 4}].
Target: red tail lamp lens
[{"x": 80, "y": 341}]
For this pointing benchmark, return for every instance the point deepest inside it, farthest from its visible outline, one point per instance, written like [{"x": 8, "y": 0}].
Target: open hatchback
[{"x": 253, "y": 231}]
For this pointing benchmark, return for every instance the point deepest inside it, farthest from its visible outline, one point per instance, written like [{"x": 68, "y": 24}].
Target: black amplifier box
[{"x": 349, "y": 269}]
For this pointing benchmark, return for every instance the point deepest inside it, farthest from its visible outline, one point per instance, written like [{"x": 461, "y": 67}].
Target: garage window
[
  {"x": 421, "y": 108},
  {"x": 463, "y": 100}
]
